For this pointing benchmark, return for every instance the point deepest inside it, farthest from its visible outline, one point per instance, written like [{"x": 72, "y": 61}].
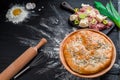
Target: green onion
[
  {"x": 108, "y": 8},
  {"x": 102, "y": 9},
  {"x": 82, "y": 15},
  {"x": 76, "y": 10},
  {"x": 115, "y": 13},
  {"x": 105, "y": 22},
  {"x": 93, "y": 21},
  {"x": 109, "y": 11},
  {"x": 76, "y": 22}
]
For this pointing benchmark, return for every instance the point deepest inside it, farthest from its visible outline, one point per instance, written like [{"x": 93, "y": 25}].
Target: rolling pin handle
[{"x": 41, "y": 43}]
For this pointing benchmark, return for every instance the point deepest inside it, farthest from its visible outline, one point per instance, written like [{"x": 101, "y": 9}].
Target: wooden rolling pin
[{"x": 21, "y": 61}]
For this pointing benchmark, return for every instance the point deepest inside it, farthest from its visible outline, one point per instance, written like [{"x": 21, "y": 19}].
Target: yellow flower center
[{"x": 16, "y": 12}]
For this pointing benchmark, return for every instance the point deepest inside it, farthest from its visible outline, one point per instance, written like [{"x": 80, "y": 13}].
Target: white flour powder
[{"x": 17, "y": 14}]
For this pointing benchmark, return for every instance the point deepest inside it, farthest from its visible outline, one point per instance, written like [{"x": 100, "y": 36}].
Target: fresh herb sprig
[{"x": 109, "y": 11}]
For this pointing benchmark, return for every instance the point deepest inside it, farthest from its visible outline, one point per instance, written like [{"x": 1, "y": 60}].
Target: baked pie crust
[{"x": 87, "y": 51}]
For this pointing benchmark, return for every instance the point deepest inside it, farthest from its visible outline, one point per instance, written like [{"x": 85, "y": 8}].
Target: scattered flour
[
  {"x": 17, "y": 14},
  {"x": 30, "y": 6}
]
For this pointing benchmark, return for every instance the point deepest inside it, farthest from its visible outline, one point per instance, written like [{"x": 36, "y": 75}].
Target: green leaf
[
  {"x": 108, "y": 8},
  {"x": 102, "y": 9},
  {"x": 114, "y": 11},
  {"x": 111, "y": 16},
  {"x": 109, "y": 11},
  {"x": 117, "y": 22},
  {"x": 99, "y": 5}
]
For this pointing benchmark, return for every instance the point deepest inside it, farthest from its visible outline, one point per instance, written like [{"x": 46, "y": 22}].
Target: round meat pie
[{"x": 87, "y": 52}]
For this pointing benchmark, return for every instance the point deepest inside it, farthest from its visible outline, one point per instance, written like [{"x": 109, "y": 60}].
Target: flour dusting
[
  {"x": 58, "y": 14},
  {"x": 17, "y": 14},
  {"x": 54, "y": 29},
  {"x": 27, "y": 41},
  {"x": 30, "y": 6}
]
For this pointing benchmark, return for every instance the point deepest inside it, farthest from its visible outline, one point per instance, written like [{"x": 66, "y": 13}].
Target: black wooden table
[{"x": 50, "y": 21}]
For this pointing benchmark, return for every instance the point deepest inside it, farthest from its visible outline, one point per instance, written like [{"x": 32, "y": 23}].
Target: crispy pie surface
[{"x": 87, "y": 52}]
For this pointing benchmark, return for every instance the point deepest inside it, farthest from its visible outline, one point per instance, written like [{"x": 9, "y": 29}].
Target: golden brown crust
[{"x": 87, "y": 52}]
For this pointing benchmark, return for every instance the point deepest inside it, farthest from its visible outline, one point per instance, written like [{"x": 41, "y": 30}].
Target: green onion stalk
[{"x": 109, "y": 11}]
